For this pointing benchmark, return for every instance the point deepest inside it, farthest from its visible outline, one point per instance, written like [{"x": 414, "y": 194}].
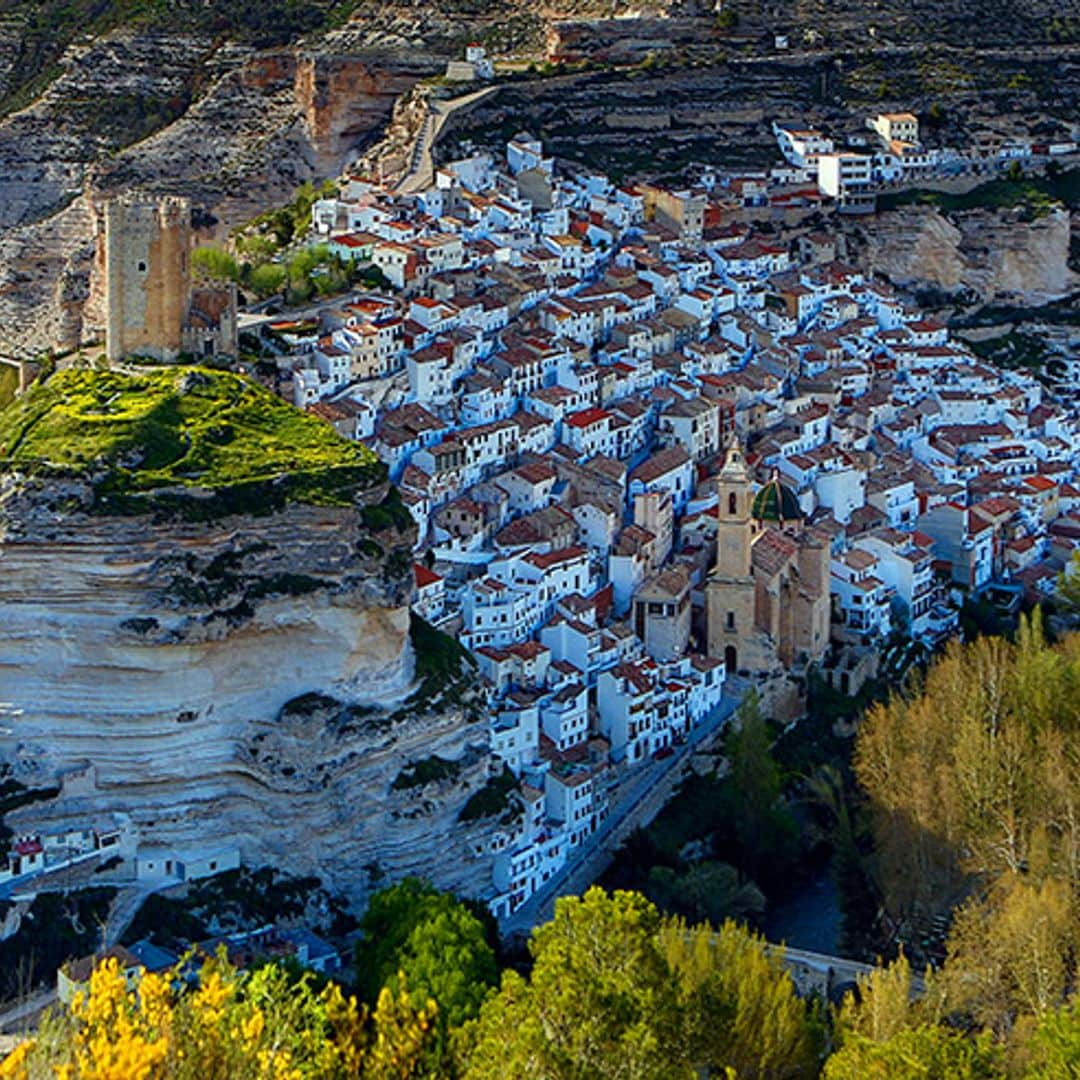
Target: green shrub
[
  {"x": 428, "y": 770},
  {"x": 492, "y": 799}
]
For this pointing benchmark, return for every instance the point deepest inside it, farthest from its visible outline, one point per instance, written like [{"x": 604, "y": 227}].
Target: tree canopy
[
  {"x": 436, "y": 945},
  {"x": 977, "y": 774},
  {"x": 764, "y": 829},
  {"x": 261, "y": 1025},
  {"x": 617, "y": 990}
]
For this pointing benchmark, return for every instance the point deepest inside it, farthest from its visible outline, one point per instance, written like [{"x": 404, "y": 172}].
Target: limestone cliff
[
  {"x": 990, "y": 255},
  {"x": 225, "y": 677},
  {"x": 235, "y": 129}
]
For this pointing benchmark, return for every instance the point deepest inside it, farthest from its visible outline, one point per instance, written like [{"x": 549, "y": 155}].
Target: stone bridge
[
  {"x": 830, "y": 976},
  {"x": 818, "y": 973}
]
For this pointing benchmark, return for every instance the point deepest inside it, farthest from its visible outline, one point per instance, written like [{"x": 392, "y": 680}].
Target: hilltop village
[
  {"x": 657, "y": 453},
  {"x": 651, "y": 449}
]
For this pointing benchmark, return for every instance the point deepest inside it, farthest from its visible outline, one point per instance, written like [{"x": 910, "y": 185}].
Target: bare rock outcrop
[
  {"x": 234, "y": 129},
  {"x": 242, "y": 680},
  {"x": 992, "y": 255}
]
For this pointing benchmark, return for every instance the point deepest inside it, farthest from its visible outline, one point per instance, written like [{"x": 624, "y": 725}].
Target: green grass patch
[
  {"x": 1037, "y": 194},
  {"x": 144, "y": 439},
  {"x": 437, "y": 654},
  {"x": 9, "y": 384}
]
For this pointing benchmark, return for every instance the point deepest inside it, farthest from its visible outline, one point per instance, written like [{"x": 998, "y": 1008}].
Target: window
[
  {"x": 732, "y": 503},
  {"x": 731, "y": 620},
  {"x": 142, "y": 268}
]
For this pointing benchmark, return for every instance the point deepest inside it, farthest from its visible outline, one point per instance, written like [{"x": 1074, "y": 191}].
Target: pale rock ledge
[{"x": 151, "y": 665}]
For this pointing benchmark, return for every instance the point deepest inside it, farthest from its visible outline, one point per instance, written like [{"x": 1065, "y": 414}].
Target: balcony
[
  {"x": 942, "y": 621},
  {"x": 922, "y": 588}
]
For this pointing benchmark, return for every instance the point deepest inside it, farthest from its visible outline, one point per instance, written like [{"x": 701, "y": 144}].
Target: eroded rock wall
[
  {"x": 996, "y": 255},
  {"x": 244, "y": 681},
  {"x": 235, "y": 130}
]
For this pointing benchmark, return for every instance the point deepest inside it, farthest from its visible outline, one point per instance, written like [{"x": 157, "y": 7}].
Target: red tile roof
[
  {"x": 587, "y": 417},
  {"x": 424, "y": 576}
]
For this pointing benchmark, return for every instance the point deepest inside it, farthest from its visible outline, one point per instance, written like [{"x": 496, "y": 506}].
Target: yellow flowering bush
[{"x": 223, "y": 1023}]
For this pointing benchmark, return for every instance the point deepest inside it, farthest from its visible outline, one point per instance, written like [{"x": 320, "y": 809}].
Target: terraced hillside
[{"x": 656, "y": 119}]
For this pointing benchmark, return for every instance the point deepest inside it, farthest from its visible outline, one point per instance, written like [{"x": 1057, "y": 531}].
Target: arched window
[{"x": 732, "y": 503}]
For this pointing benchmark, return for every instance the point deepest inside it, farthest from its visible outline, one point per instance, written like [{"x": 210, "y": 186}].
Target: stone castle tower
[
  {"x": 147, "y": 276},
  {"x": 730, "y": 603}
]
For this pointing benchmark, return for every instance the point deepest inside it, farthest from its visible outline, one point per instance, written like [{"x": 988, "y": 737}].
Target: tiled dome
[{"x": 776, "y": 502}]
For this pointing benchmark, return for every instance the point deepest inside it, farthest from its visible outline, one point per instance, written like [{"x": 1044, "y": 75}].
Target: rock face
[
  {"x": 630, "y": 40},
  {"x": 996, "y": 255},
  {"x": 234, "y": 129},
  {"x": 194, "y": 666}
]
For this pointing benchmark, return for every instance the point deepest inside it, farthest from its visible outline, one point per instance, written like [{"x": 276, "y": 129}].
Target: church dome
[{"x": 776, "y": 502}]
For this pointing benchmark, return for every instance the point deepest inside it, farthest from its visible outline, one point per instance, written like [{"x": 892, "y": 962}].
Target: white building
[
  {"x": 905, "y": 564},
  {"x": 803, "y": 147},
  {"x": 624, "y": 701},
  {"x": 896, "y": 127},
  {"x": 862, "y": 597},
  {"x": 846, "y": 177}
]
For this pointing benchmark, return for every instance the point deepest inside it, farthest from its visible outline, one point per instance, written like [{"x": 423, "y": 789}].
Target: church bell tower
[
  {"x": 734, "y": 529},
  {"x": 730, "y": 592}
]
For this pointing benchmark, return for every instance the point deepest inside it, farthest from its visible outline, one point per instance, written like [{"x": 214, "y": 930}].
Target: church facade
[{"x": 767, "y": 598}]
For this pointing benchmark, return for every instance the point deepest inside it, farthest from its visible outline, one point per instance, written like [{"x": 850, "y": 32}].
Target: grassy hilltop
[{"x": 141, "y": 439}]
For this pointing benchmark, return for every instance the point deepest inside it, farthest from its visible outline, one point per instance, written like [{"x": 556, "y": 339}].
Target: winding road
[{"x": 421, "y": 172}]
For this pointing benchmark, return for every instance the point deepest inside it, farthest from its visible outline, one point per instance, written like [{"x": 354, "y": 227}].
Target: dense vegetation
[
  {"x": 236, "y": 900},
  {"x": 417, "y": 937},
  {"x": 56, "y": 927},
  {"x": 180, "y": 428},
  {"x": 953, "y": 836},
  {"x": 266, "y": 1025},
  {"x": 974, "y": 791},
  {"x": 776, "y": 811},
  {"x": 270, "y": 255},
  {"x": 613, "y": 990}
]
